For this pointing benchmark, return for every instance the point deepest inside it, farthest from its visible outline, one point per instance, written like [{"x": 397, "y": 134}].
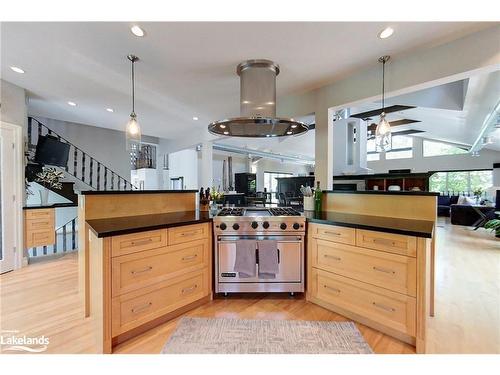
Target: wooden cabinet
[
  {"x": 144, "y": 279},
  {"x": 378, "y": 279},
  {"x": 39, "y": 227}
]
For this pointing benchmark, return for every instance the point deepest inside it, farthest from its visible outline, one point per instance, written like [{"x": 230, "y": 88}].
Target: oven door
[{"x": 289, "y": 260}]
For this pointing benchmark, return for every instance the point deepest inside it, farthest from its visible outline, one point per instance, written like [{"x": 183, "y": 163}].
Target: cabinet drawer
[
  {"x": 135, "y": 271},
  {"x": 392, "y": 243},
  {"x": 390, "y": 271},
  {"x": 187, "y": 233},
  {"x": 39, "y": 238},
  {"x": 39, "y": 213},
  {"x": 36, "y": 224},
  {"x": 131, "y": 243},
  {"x": 390, "y": 309},
  {"x": 136, "y": 308},
  {"x": 333, "y": 233}
]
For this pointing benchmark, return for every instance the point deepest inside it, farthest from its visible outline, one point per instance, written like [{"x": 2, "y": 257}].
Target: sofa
[
  {"x": 444, "y": 204},
  {"x": 462, "y": 214}
]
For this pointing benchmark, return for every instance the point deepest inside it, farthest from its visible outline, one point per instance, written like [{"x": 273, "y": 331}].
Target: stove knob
[
  {"x": 296, "y": 226},
  {"x": 265, "y": 224},
  {"x": 223, "y": 226},
  {"x": 236, "y": 226},
  {"x": 254, "y": 224},
  {"x": 283, "y": 226}
]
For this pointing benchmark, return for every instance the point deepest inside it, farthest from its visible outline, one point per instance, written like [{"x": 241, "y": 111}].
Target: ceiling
[
  {"x": 454, "y": 112},
  {"x": 188, "y": 69}
]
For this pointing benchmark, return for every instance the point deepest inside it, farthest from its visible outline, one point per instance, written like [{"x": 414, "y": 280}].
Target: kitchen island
[{"x": 147, "y": 269}]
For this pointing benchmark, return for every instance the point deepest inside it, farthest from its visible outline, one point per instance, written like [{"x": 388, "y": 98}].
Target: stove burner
[
  {"x": 231, "y": 211},
  {"x": 283, "y": 211}
]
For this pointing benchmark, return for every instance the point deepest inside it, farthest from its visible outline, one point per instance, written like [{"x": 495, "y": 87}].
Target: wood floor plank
[{"x": 43, "y": 299}]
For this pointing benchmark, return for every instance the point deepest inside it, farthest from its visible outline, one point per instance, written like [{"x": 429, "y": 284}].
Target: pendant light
[
  {"x": 383, "y": 139},
  {"x": 133, "y": 130}
]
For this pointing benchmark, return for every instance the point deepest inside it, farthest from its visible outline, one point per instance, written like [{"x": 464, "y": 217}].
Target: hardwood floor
[{"x": 43, "y": 299}]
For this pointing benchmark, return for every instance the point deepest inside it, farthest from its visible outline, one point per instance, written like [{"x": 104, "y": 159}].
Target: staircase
[
  {"x": 82, "y": 170},
  {"x": 81, "y": 166}
]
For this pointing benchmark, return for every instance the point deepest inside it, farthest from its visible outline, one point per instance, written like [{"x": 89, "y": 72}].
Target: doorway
[{"x": 10, "y": 197}]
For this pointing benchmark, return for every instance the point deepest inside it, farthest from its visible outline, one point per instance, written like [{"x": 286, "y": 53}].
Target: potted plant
[
  {"x": 48, "y": 178},
  {"x": 494, "y": 225},
  {"x": 477, "y": 194}
]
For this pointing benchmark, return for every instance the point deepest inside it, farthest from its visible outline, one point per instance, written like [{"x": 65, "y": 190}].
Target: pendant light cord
[
  {"x": 383, "y": 85},
  {"x": 133, "y": 88}
]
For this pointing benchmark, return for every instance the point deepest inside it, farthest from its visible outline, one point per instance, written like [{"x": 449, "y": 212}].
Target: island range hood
[{"x": 257, "y": 105}]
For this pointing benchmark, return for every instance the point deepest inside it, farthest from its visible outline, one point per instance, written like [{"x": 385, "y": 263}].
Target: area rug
[{"x": 237, "y": 336}]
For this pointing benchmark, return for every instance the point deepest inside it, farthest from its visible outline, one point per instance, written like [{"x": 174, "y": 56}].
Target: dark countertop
[
  {"x": 131, "y": 224},
  {"x": 409, "y": 227},
  {"x": 50, "y": 205},
  {"x": 110, "y": 192},
  {"x": 383, "y": 192},
  {"x": 381, "y": 175}
]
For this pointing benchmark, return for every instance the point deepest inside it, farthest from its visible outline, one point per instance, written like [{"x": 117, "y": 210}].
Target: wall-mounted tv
[{"x": 51, "y": 151}]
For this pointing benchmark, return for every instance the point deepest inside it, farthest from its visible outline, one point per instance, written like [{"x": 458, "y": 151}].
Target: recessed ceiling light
[
  {"x": 195, "y": 118},
  {"x": 73, "y": 104},
  {"x": 222, "y": 126},
  {"x": 17, "y": 70},
  {"x": 226, "y": 132},
  {"x": 289, "y": 132},
  {"x": 294, "y": 126},
  {"x": 137, "y": 31},
  {"x": 110, "y": 109},
  {"x": 386, "y": 33}
]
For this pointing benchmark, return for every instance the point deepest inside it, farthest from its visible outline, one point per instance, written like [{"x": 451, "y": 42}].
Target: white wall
[
  {"x": 270, "y": 165},
  {"x": 419, "y": 163},
  {"x": 13, "y": 104},
  {"x": 240, "y": 165},
  {"x": 184, "y": 164}
]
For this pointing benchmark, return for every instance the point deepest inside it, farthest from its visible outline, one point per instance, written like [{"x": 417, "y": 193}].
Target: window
[
  {"x": 271, "y": 184},
  {"x": 402, "y": 148},
  {"x": 432, "y": 148},
  {"x": 461, "y": 182},
  {"x": 371, "y": 154}
]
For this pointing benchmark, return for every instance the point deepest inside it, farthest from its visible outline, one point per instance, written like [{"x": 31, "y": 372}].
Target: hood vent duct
[{"x": 257, "y": 105}]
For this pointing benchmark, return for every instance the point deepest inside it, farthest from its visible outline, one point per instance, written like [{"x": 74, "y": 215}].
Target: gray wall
[{"x": 105, "y": 145}]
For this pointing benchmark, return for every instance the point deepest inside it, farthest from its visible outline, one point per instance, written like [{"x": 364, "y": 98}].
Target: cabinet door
[{"x": 135, "y": 271}]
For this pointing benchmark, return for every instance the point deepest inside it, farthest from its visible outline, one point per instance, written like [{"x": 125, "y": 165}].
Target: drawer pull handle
[
  {"x": 190, "y": 289},
  {"x": 135, "y": 272},
  {"x": 331, "y": 288},
  {"x": 190, "y": 257},
  {"x": 136, "y": 310},
  {"x": 334, "y": 233},
  {"x": 142, "y": 242},
  {"x": 383, "y": 307},
  {"x": 383, "y": 241},
  {"x": 333, "y": 257},
  {"x": 385, "y": 270},
  {"x": 189, "y": 234}
]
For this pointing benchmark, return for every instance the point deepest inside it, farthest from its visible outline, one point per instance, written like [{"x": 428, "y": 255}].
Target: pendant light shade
[
  {"x": 133, "y": 130},
  {"x": 383, "y": 138}
]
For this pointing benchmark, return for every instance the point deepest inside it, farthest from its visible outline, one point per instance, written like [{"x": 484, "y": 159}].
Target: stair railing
[{"x": 98, "y": 176}]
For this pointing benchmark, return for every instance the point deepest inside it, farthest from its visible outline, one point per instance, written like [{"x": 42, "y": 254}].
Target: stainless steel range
[{"x": 283, "y": 225}]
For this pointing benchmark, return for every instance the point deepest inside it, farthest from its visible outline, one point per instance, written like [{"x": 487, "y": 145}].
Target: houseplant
[
  {"x": 49, "y": 178},
  {"x": 477, "y": 194},
  {"x": 494, "y": 225}
]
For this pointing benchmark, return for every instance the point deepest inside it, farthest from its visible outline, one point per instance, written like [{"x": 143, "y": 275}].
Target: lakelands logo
[{"x": 11, "y": 341}]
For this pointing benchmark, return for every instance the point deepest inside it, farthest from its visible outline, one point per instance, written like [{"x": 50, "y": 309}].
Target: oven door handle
[
  {"x": 278, "y": 256},
  {"x": 285, "y": 239}
]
